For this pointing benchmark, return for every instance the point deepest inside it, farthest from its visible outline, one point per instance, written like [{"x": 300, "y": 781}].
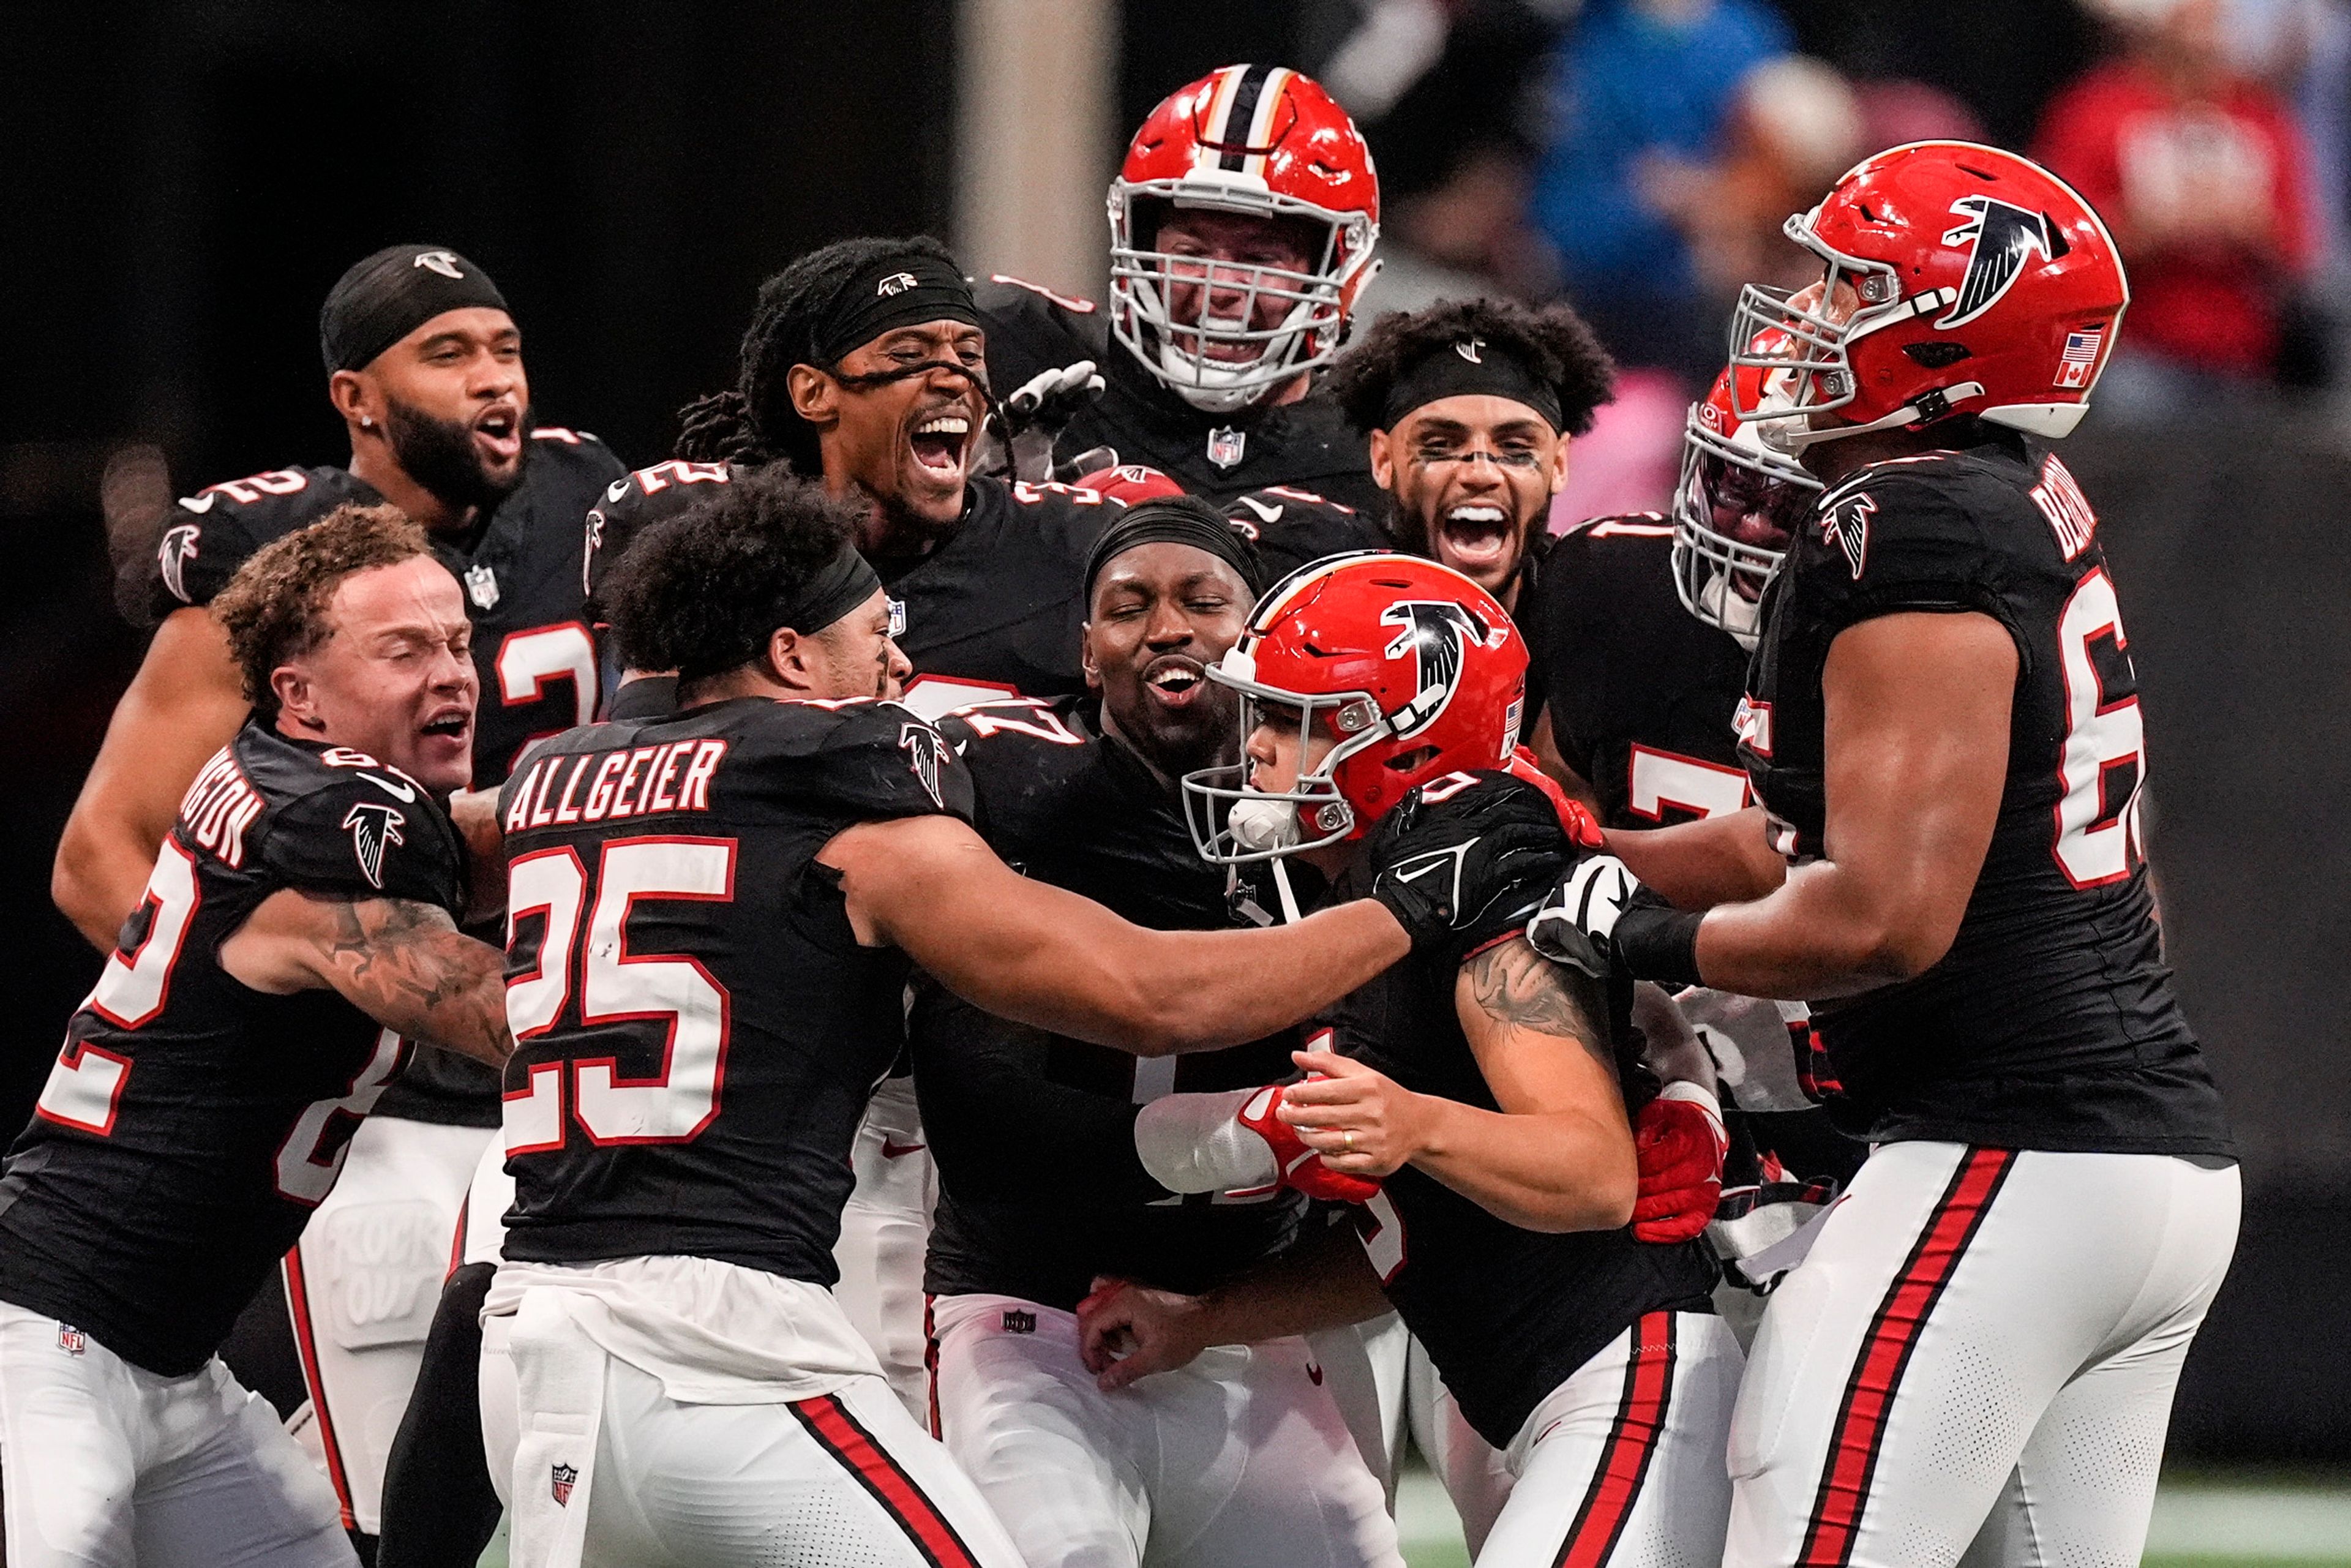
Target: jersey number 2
[{"x": 687, "y": 1008}]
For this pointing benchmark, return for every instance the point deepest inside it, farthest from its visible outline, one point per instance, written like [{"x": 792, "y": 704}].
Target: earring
[{"x": 366, "y": 423}]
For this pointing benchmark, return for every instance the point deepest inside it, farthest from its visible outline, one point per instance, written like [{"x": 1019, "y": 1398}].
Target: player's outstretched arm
[
  {"x": 1557, "y": 1155},
  {"x": 183, "y": 705},
  {"x": 1039, "y": 955},
  {"x": 402, "y": 963},
  {"x": 1697, "y": 865},
  {"x": 1127, "y": 1331}
]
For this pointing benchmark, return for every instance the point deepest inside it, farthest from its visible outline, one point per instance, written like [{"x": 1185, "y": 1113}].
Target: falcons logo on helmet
[
  {"x": 2003, "y": 238},
  {"x": 924, "y": 747},
  {"x": 373, "y": 830},
  {"x": 1437, "y": 633}
]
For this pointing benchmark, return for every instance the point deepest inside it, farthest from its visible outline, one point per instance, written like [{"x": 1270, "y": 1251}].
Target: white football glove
[
  {"x": 1574, "y": 924},
  {"x": 1038, "y": 409}
]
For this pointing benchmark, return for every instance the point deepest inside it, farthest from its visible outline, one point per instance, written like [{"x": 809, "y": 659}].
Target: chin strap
[{"x": 1928, "y": 409}]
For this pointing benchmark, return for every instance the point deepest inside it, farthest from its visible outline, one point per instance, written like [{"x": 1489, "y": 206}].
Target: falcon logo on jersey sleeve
[
  {"x": 373, "y": 829},
  {"x": 1437, "y": 633},
  {"x": 923, "y": 746},
  {"x": 178, "y": 549},
  {"x": 1846, "y": 525},
  {"x": 2003, "y": 238}
]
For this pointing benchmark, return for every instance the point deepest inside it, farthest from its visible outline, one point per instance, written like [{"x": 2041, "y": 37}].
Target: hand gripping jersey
[
  {"x": 696, "y": 1028},
  {"x": 191, "y": 1124},
  {"x": 1640, "y": 693},
  {"x": 2050, "y": 1024},
  {"x": 1041, "y": 1188},
  {"x": 1506, "y": 1315},
  {"x": 1307, "y": 443},
  {"x": 993, "y": 612},
  {"x": 532, "y": 644}
]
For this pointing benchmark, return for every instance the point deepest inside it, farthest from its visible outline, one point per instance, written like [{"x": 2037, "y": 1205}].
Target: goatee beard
[{"x": 439, "y": 454}]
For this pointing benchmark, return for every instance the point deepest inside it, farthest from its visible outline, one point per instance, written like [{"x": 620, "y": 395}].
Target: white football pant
[
  {"x": 1621, "y": 1466},
  {"x": 885, "y": 1230},
  {"x": 361, "y": 1285},
  {"x": 1979, "y": 1340},
  {"x": 1238, "y": 1460},
  {"x": 110, "y": 1465}
]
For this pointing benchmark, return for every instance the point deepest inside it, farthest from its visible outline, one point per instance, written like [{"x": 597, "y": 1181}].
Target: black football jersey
[
  {"x": 532, "y": 644},
  {"x": 1640, "y": 692},
  {"x": 2051, "y": 1023},
  {"x": 993, "y": 612},
  {"x": 1290, "y": 526},
  {"x": 1506, "y": 1315},
  {"x": 1040, "y": 1188},
  {"x": 696, "y": 1028},
  {"x": 1307, "y": 444},
  {"x": 191, "y": 1124}
]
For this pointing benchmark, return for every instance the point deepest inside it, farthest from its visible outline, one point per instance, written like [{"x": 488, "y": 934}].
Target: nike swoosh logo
[
  {"x": 892, "y": 1149},
  {"x": 398, "y": 791},
  {"x": 1265, "y": 514},
  {"x": 202, "y": 503}
]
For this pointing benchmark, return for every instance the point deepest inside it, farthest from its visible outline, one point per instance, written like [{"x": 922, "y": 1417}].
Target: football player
[
  {"x": 1243, "y": 1458},
  {"x": 864, "y": 364},
  {"x": 1942, "y": 729},
  {"x": 298, "y": 923},
  {"x": 1484, "y": 1089},
  {"x": 713, "y": 916},
  {"x": 424, "y": 366},
  {"x": 1243, "y": 224}
]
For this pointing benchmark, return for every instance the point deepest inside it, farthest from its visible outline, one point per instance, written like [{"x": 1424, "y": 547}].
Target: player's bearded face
[
  {"x": 1471, "y": 479},
  {"x": 911, "y": 403},
  {"x": 857, "y": 657},
  {"x": 394, "y": 677},
  {"x": 457, "y": 406},
  {"x": 1162, "y": 613}
]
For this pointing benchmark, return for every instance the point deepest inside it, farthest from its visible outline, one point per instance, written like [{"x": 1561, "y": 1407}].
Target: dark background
[{"x": 184, "y": 182}]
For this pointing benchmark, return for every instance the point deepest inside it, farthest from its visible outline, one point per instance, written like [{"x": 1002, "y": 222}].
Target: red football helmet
[
  {"x": 1961, "y": 279},
  {"x": 1130, "y": 483},
  {"x": 1738, "y": 504},
  {"x": 1265, "y": 142},
  {"x": 1409, "y": 668}
]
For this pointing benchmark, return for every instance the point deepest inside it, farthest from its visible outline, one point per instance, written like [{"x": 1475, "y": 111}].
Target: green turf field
[{"x": 2202, "y": 1519}]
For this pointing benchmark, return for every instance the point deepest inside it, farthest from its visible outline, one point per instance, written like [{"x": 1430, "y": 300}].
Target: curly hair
[
  {"x": 697, "y": 593},
  {"x": 753, "y": 422},
  {"x": 274, "y": 608},
  {"x": 1552, "y": 342}
]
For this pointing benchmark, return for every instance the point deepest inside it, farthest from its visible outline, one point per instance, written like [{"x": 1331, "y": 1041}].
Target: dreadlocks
[{"x": 753, "y": 422}]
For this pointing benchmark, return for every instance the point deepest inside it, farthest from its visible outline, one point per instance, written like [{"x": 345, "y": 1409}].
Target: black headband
[
  {"x": 391, "y": 294},
  {"x": 1172, "y": 520},
  {"x": 903, "y": 290},
  {"x": 1471, "y": 367},
  {"x": 816, "y": 602}
]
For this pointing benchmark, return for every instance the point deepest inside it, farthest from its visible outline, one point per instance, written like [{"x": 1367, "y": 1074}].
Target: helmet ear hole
[
  {"x": 1418, "y": 756},
  {"x": 1935, "y": 356}
]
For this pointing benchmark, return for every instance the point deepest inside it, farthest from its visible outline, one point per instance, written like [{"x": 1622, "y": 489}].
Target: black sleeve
[
  {"x": 369, "y": 834},
  {"x": 1909, "y": 538},
  {"x": 1031, "y": 330},
  {"x": 1291, "y": 527},
  {"x": 634, "y": 502},
  {"x": 200, "y": 550},
  {"x": 879, "y": 760}
]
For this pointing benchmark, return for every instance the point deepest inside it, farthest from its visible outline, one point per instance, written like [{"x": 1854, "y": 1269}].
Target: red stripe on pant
[
  {"x": 1860, "y": 1431},
  {"x": 298, "y": 1302},
  {"x": 829, "y": 1421},
  {"x": 1632, "y": 1445}
]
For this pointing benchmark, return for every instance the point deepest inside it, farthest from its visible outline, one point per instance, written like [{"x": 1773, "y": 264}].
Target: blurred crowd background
[{"x": 185, "y": 181}]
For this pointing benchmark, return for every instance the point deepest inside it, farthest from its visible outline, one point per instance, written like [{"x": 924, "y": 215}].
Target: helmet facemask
[
  {"x": 1720, "y": 578},
  {"x": 1234, "y": 823},
  {"x": 1312, "y": 303}
]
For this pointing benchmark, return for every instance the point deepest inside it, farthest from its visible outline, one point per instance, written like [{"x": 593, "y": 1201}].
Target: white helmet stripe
[{"x": 1260, "y": 126}]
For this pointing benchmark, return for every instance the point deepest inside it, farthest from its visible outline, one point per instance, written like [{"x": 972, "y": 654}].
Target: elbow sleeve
[{"x": 1191, "y": 1143}]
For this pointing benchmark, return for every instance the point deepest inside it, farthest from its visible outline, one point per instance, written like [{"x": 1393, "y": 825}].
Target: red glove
[
  {"x": 1583, "y": 827},
  {"x": 1302, "y": 1168},
  {"x": 1130, "y": 482},
  {"x": 1679, "y": 1143}
]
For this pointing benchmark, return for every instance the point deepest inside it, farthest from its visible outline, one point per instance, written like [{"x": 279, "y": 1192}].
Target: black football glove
[
  {"x": 1460, "y": 871},
  {"x": 1033, "y": 417},
  {"x": 1601, "y": 918}
]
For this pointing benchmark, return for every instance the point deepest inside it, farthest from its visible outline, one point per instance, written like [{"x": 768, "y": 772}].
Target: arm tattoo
[
  {"x": 406, "y": 965},
  {"x": 1518, "y": 988}
]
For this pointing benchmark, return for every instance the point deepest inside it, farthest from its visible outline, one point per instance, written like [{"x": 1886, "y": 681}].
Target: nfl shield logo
[
  {"x": 1018, "y": 1321},
  {"x": 1226, "y": 446},
  {"x": 71, "y": 1340},
  {"x": 482, "y": 587},
  {"x": 559, "y": 1482}
]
